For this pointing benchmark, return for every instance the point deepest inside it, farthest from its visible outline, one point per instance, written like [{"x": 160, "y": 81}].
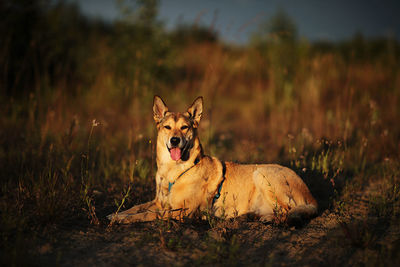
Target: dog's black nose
[{"x": 175, "y": 141}]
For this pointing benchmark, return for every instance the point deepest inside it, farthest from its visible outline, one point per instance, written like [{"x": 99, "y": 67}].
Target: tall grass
[{"x": 79, "y": 144}]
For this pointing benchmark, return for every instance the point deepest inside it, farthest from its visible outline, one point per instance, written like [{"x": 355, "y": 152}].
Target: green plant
[
  {"x": 223, "y": 251},
  {"x": 121, "y": 204},
  {"x": 330, "y": 162},
  {"x": 87, "y": 179},
  {"x": 359, "y": 233}
]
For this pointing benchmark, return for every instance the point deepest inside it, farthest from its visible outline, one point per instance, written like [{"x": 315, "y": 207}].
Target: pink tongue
[{"x": 175, "y": 153}]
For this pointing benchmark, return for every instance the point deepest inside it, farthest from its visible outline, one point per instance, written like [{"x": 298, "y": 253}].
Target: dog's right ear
[{"x": 159, "y": 109}]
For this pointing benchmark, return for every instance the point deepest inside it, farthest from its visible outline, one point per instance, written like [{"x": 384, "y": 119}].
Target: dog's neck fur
[{"x": 171, "y": 169}]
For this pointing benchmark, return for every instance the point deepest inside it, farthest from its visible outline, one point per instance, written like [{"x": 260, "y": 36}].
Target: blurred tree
[
  {"x": 277, "y": 41},
  {"x": 141, "y": 48},
  {"x": 185, "y": 34},
  {"x": 139, "y": 12},
  {"x": 280, "y": 28},
  {"x": 48, "y": 44},
  {"x": 18, "y": 19},
  {"x": 43, "y": 44}
]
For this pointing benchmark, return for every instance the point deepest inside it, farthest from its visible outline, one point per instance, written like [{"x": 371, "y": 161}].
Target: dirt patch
[{"x": 329, "y": 239}]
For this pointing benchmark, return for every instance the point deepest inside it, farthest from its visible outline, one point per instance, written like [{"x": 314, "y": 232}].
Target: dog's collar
[
  {"x": 197, "y": 160},
  {"x": 221, "y": 183}
]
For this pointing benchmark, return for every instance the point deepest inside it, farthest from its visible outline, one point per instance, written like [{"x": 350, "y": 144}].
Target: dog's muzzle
[{"x": 176, "y": 146}]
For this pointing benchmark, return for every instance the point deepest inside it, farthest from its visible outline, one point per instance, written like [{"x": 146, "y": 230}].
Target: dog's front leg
[
  {"x": 151, "y": 215},
  {"x": 151, "y": 205},
  {"x": 142, "y": 207}
]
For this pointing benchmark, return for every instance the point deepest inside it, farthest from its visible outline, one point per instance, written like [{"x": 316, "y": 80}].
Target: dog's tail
[{"x": 302, "y": 213}]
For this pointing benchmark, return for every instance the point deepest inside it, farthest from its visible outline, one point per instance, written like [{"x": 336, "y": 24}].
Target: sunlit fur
[{"x": 265, "y": 190}]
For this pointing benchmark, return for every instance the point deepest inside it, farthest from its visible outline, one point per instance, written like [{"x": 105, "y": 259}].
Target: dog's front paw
[{"x": 117, "y": 217}]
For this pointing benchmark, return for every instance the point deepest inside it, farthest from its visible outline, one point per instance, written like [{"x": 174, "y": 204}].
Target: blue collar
[
  {"x": 170, "y": 186},
  {"x": 197, "y": 160},
  {"x": 221, "y": 183}
]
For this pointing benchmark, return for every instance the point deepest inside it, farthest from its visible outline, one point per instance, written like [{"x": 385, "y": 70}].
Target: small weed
[
  {"x": 386, "y": 203},
  {"x": 121, "y": 204},
  {"x": 381, "y": 206},
  {"x": 341, "y": 208},
  {"x": 280, "y": 215},
  {"x": 170, "y": 234},
  {"x": 146, "y": 238},
  {"x": 87, "y": 180},
  {"x": 210, "y": 217},
  {"x": 223, "y": 251},
  {"x": 142, "y": 169},
  {"x": 359, "y": 233},
  {"x": 329, "y": 161},
  {"x": 209, "y": 214},
  {"x": 328, "y": 157},
  {"x": 90, "y": 208}
]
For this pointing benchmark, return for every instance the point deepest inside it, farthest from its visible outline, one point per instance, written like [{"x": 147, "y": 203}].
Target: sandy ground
[{"x": 327, "y": 240}]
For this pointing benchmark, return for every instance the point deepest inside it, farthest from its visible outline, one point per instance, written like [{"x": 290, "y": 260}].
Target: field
[{"x": 77, "y": 141}]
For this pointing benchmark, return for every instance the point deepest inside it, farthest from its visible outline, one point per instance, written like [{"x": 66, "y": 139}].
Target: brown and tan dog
[{"x": 189, "y": 182}]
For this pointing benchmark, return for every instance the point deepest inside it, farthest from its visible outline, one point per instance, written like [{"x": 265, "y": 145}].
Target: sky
[{"x": 236, "y": 20}]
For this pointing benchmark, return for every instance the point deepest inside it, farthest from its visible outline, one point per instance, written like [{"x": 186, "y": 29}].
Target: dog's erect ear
[
  {"x": 159, "y": 109},
  {"x": 196, "y": 110}
]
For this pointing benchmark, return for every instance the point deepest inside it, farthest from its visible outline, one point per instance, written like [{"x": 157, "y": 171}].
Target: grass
[
  {"x": 69, "y": 157},
  {"x": 62, "y": 165}
]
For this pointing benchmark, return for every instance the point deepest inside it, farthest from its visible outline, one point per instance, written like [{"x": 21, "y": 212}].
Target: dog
[{"x": 190, "y": 183}]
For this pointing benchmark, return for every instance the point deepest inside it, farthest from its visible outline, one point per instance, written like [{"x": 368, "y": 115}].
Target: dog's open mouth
[{"x": 175, "y": 153}]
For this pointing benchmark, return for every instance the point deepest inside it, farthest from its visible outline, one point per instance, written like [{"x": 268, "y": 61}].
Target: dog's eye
[
  {"x": 184, "y": 127},
  {"x": 167, "y": 127}
]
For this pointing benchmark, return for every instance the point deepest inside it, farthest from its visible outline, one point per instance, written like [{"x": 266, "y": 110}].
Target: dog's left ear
[{"x": 196, "y": 110}]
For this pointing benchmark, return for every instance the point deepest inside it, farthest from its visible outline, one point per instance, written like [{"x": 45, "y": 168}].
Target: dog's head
[{"x": 177, "y": 131}]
